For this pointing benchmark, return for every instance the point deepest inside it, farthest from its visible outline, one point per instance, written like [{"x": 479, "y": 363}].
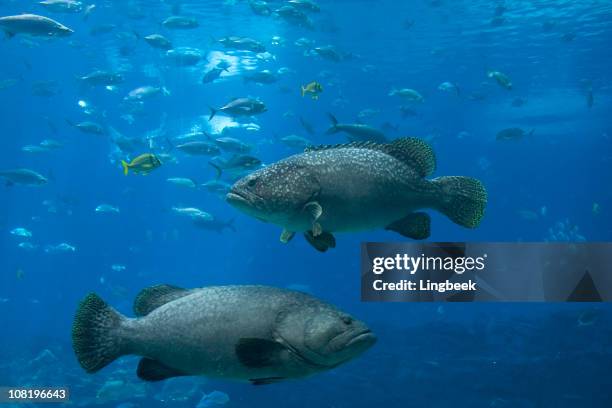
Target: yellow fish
[
  {"x": 143, "y": 164},
  {"x": 314, "y": 89}
]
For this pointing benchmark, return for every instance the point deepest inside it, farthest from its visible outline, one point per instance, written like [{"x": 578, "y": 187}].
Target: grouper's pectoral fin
[
  {"x": 321, "y": 242},
  {"x": 314, "y": 211},
  {"x": 286, "y": 236},
  {"x": 257, "y": 353},
  {"x": 267, "y": 380},
  {"x": 153, "y": 370},
  {"x": 415, "y": 226}
]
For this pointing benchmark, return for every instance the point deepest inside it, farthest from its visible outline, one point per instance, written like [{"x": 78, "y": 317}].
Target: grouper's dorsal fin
[
  {"x": 151, "y": 298},
  {"x": 350, "y": 145},
  {"x": 415, "y": 152},
  {"x": 410, "y": 150}
]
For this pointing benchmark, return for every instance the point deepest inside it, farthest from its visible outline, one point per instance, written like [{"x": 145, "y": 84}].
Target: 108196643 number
[{"x": 34, "y": 394}]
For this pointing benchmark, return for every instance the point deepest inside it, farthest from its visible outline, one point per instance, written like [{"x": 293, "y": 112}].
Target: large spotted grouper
[
  {"x": 259, "y": 334},
  {"x": 357, "y": 186}
]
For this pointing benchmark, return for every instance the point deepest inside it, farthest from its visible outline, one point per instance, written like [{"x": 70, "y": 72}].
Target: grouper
[
  {"x": 354, "y": 187},
  {"x": 258, "y": 334}
]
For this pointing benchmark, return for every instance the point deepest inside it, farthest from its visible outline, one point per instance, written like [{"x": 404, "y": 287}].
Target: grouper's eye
[
  {"x": 251, "y": 182},
  {"x": 347, "y": 320}
]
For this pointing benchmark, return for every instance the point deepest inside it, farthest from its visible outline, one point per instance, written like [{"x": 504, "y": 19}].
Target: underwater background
[{"x": 549, "y": 183}]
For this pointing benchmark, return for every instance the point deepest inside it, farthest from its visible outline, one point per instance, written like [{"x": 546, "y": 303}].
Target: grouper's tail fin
[
  {"x": 463, "y": 200},
  {"x": 95, "y": 338}
]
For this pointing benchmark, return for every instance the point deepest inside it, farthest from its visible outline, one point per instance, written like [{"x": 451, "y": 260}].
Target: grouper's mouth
[
  {"x": 244, "y": 201},
  {"x": 234, "y": 198},
  {"x": 351, "y": 344},
  {"x": 363, "y": 338},
  {"x": 346, "y": 346},
  {"x": 348, "y": 338},
  {"x": 241, "y": 198}
]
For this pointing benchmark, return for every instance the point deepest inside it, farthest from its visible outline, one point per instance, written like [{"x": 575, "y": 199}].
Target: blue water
[{"x": 553, "y": 185}]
